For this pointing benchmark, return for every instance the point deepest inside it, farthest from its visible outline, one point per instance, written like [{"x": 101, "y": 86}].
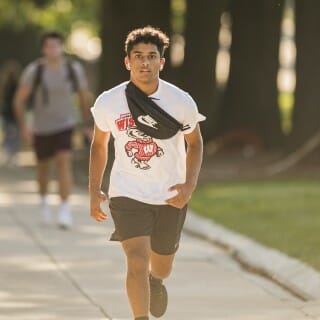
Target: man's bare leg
[
  {"x": 138, "y": 252},
  {"x": 43, "y": 173},
  {"x": 64, "y": 172},
  {"x": 161, "y": 265}
]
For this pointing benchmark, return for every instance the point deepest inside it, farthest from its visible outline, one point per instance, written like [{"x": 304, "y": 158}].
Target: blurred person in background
[
  {"x": 47, "y": 86},
  {"x": 10, "y": 74}
]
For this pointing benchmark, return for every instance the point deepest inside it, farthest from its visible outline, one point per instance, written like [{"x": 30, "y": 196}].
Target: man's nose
[{"x": 145, "y": 61}]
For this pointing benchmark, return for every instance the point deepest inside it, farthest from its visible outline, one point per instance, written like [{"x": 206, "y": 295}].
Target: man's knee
[
  {"x": 138, "y": 253},
  {"x": 161, "y": 271},
  {"x": 138, "y": 264},
  {"x": 161, "y": 265},
  {"x": 63, "y": 157}
]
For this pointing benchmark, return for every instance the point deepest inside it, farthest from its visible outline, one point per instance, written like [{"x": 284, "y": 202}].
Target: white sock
[
  {"x": 64, "y": 205},
  {"x": 64, "y": 216},
  {"x": 44, "y": 200},
  {"x": 44, "y": 209}
]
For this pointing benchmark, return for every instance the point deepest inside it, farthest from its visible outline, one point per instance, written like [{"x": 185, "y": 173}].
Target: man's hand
[
  {"x": 95, "y": 209},
  {"x": 182, "y": 197}
]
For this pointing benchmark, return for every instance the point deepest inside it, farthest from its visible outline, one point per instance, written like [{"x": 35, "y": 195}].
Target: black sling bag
[{"x": 148, "y": 116}]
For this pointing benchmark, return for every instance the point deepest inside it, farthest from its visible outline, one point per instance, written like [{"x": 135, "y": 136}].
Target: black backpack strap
[
  {"x": 72, "y": 76},
  {"x": 37, "y": 76},
  {"x": 37, "y": 81}
]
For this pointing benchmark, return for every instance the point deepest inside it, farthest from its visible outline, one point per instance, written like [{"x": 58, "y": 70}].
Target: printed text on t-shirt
[{"x": 125, "y": 121}]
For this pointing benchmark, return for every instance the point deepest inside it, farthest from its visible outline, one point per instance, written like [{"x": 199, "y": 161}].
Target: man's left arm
[
  {"x": 193, "y": 165},
  {"x": 84, "y": 106},
  {"x": 85, "y": 111}
]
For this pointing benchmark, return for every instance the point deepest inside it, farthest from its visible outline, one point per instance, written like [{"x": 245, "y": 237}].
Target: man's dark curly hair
[
  {"x": 147, "y": 35},
  {"x": 51, "y": 35}
]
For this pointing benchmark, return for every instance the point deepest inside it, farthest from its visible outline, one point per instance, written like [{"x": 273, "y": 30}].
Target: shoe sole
[{"x": 64, "y": 227}]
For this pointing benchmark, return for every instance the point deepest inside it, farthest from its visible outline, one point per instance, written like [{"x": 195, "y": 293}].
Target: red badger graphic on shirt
[{"x": 145, "y": 148}]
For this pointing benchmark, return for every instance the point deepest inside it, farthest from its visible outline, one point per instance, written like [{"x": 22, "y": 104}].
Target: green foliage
[
  {"x": 51, "y": 14},
  {"x": 283, "y": 214},
  {"x": 286, "y": 103},
  {"x": 178, "y": 8}
]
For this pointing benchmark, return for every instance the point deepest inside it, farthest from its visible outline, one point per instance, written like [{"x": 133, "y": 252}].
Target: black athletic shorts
[
  {"x": 163, "y": 223},
  {"x": 46, "y": 146}
]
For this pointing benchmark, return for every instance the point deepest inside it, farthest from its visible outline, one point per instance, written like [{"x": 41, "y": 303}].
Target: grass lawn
[{"x": 284, "y": 214}]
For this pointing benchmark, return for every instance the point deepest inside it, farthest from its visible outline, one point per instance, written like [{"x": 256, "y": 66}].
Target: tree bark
[
  {"x": 250, "y": 101},
  {"x": 21, "y": 45},
  {"x": 306, "y": 113},
  {"x": 202, "y": 29},
  {"x": 118, "y": 18}
]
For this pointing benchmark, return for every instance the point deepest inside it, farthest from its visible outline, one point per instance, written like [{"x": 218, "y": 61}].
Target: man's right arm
[
  {"x": 20, "y": 100},
  {"x": 97, "y": 165}
]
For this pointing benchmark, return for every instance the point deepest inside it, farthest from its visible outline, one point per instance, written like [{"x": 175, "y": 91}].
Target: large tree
[
  {"x": 306, "y": 114},
  {"x": 202, "y": 29},
  {"x": 251, "y": 95},
  {"x": 24, "y": 48},
  {"x": 118, "y": 18}
]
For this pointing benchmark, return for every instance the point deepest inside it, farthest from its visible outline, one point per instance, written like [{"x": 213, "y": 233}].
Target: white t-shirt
[{"x": 145, "y": 168}]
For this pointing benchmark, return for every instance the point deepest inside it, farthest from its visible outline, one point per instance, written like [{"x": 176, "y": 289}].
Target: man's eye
[{"x": 153, "y": 56}]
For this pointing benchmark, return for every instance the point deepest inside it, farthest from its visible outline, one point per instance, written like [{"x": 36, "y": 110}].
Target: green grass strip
[{"x": 284, "y": 214}]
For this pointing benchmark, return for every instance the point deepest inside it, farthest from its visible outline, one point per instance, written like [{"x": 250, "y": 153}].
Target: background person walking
[{"x": 48, "y": 85}]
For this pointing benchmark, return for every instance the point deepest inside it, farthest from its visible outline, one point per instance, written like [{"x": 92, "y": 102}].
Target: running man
[{"x": 151, "y": 179}]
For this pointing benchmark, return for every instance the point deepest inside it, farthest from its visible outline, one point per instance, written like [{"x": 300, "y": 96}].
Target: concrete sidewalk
[{"x": 50, "y": 274}]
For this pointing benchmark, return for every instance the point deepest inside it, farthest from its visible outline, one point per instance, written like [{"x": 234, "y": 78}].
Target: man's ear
[
  {"x": 127, "y": 63},
  {"x": 162, "y": 63}
]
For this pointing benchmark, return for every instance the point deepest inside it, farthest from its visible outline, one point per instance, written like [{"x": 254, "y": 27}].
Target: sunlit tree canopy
[{"x": 49, "y": 14}]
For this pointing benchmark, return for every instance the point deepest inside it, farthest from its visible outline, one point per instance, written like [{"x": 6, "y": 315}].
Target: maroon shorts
[{"x": 46, "y": 146}]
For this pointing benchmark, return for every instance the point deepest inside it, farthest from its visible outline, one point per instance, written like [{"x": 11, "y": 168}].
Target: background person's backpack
[{"x": 37, "y": 82}]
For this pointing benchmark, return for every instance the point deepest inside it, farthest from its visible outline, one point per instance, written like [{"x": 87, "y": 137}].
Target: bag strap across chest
[{"x": 149, "y": 117}]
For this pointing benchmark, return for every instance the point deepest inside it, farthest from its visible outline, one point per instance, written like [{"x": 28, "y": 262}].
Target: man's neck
[
  {"x": 54, "y": 63},
  {"x": 147, "y": 88}
]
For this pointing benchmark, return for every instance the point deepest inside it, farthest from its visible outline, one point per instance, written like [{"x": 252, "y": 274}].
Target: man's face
[
  {"x": 144, "y": 63},
  {"x": 52, "y": 48}
]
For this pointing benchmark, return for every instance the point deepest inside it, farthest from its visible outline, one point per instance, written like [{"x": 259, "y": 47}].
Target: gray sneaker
[{"x": 158, "y": 297}]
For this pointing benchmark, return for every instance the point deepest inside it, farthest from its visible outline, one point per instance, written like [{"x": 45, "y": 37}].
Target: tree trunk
[
  {"x": 306, "y": 113},
  {"x": 21, "y": 45},
  {"x": 118, "y": 18},
  {"x": 251, "y": 95},
  {"x": 202, "y": 29}
]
